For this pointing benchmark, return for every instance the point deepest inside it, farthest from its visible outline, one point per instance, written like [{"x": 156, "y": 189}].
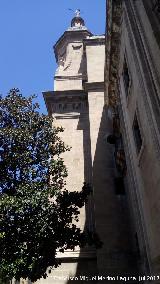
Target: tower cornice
[
  {"x": 69, "y": 96},
  {"x": 69, "y": 34}
]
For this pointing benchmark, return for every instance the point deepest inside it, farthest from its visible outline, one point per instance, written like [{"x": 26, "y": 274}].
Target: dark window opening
[
  {"x": 137, "y": 134},
  {"x": 119, "y": 186},
  {"x": 126, "y": 77},
  {"x": 156, "y": 6}
]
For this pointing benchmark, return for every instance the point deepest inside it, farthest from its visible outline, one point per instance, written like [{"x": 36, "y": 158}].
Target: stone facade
[{"x": 132, "y": 90}]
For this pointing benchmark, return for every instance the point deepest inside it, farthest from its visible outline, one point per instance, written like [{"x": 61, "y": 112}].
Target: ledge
[
  {"x": 94, "y": 86},
  {"x": 77, "y": 254}
]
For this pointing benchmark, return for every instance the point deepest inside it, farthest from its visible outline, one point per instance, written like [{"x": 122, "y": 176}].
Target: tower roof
[
  {"x": 76, "y": 30},
  {"x": 77, "y": 22}
]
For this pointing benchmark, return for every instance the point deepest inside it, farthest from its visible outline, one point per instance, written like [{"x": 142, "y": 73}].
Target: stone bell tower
[
  {"x": 70, "y": 57},
  {"x": 77, "y": 103}
]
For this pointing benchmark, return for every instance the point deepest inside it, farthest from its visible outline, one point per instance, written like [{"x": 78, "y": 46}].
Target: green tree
[{"x": 36, "y": 210}]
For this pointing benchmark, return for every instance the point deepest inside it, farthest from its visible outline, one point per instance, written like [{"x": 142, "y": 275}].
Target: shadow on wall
[
  {"x": 87, "y": 261},
  {"x": 111, "y": 214}
]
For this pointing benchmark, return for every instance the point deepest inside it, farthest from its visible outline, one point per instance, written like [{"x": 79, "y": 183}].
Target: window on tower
[
  {"x": 137, "y": 134},
  {"x": 126, "y": 77}
]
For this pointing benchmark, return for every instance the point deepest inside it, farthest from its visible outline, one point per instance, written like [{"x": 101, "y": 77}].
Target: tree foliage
[{"x": 36, "y": 210}]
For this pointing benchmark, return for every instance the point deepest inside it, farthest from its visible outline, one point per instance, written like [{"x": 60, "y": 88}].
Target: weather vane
[{"x": 77, "y": 12}]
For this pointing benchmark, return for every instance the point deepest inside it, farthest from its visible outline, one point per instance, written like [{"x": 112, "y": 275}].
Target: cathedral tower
[{"x": 77, "y": 103}]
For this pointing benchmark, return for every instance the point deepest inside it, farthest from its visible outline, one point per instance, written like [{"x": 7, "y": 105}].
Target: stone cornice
[
  {"x": 69, "y": 96},
  {"x": 94, "y": 86},
  {"x": 68, "y": 77},
  {"x": 94, "y": 40},
  {"x": 51, "y": 94}
]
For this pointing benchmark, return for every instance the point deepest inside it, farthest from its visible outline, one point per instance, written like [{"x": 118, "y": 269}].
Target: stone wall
[{"x": 140, "y": 48}]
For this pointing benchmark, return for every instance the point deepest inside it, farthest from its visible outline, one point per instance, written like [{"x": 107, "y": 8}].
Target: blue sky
[{"x": 28, "y": 31}]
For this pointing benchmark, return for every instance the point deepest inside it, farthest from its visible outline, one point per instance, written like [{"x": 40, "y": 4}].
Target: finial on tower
[{"x": 77, "y": 13}]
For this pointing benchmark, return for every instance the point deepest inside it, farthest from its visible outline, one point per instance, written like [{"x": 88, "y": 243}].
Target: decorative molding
[
  {"x": 113, "y": 50},
  {"x": 67, "y": 107},
  {"x": 66, "y": 101}
]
